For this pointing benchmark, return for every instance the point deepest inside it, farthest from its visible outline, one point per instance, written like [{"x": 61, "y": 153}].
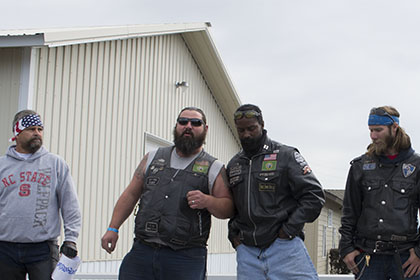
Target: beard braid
[{"x": 188, "y": 145}]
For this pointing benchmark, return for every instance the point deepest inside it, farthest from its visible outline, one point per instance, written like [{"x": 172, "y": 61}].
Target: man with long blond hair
[{"x": 379, "y": 232}]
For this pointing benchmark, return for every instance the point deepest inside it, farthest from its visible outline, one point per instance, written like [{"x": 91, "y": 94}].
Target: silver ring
[{"x": 192, "y": 202}]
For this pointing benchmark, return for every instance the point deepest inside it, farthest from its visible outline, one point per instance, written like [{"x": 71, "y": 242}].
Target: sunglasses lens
[
  {"x": 183, "y": 121},
  {"x": 250, "y": 114},
  {"x": 196, "y": 122},
  {"x": 247, "y": 114}
]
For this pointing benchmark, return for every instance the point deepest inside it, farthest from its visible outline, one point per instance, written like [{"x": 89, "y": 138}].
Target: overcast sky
[{"x": 314, "y": 67}]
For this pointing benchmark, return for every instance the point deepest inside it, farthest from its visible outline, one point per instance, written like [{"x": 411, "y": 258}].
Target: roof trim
[
  {"x": 69, "y": 36},
  {"x": 195, "y": 35}
]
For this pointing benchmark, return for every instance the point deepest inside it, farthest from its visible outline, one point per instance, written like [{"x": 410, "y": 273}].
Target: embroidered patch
[
  {"x": 152, "y": 181},
  {"x": 151, "y": 227},
  {"x": 266, "y": 187},
  {"x": 369, "y": 166},
  {"x": 201, "y": 166},
  {"x": 269, "y": 165},
  {"x": 408, "y": 169},
  {"x": 302, "y": 162},
  {"x": 236, "y": 170},
  {"x": 266, "y": 174},
  {"x": 270, "y": 157},
  {"x": 306, "y": 170},
  {"x": 234, "y": 180}
]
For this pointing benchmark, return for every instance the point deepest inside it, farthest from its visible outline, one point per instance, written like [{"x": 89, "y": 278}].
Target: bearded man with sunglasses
[
  {"x": 379, "y": 226},
  {"x": 275, "y": 194},
  {"x": 179, "y": 188}
]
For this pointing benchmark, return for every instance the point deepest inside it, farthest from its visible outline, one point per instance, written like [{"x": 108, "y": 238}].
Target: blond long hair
[{"x": 401, "y": 140}]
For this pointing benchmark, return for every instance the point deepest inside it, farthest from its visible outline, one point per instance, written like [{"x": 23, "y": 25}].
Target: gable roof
[
  {"x": 196, "y": 36},
  {"x": 335, "y": 195}
]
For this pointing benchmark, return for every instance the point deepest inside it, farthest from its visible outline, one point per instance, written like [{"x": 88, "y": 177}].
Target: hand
[
  {"x": 109, "y": 241},
  {"x": 236, "y": 241},
  {"x": 283, "y": 235},
  {"x": 412, "y": 265},
  {"x": 197, "y": 199},
  {"x": 69, "y": 249},
  {"x": 349, "y": 261}
]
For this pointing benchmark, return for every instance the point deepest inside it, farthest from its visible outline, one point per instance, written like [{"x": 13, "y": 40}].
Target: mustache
[{"x": 187, "y": 130}]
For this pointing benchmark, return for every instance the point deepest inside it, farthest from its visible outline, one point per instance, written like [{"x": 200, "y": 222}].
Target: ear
[
  {"x": 394, "y": 128},
  {"x": 206, "y": 128},
  {"x": 262, "y": 124}
]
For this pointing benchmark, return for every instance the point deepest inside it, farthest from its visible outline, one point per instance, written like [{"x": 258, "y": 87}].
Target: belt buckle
[{"x": 381, "y": 246}]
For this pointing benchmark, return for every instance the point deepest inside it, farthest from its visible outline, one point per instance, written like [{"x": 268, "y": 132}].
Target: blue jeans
[
  {"x": 144, "y": 262},
  {"x": 283, "y": 260},
  {"x": 38, "y": 260},
  {"x": 381, "y": 267}
]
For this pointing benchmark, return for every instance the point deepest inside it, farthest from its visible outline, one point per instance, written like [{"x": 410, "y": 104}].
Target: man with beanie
[
  {"x": 275, "y": 193},
  {"x": 36, "y": 191},
  {"x": 379, "y": 226},
  {"x": 179, "y": 188}
]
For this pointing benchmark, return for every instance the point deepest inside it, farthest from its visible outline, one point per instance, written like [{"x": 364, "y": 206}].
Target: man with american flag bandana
[{"x": 35, "y": 189}]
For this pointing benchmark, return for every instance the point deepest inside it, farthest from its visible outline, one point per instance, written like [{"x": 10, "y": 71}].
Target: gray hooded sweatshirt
[{"x": 33, "y": 194}]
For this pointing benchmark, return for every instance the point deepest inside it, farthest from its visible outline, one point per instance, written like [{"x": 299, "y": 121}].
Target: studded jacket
[
  {"x": 274, "y": 189},
  {"x": 381, "y": 202}
]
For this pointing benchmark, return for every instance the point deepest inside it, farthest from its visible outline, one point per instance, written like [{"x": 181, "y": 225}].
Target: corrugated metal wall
[
  {"x": 11, "y": 61},
  {"x": 98, "y": 99}
]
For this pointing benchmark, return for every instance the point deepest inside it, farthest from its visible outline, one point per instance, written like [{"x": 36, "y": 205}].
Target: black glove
[{"x": 69, "y": 249}]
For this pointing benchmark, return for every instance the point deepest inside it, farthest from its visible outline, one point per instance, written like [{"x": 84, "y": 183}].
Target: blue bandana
[{"x": 383, "y": 120}]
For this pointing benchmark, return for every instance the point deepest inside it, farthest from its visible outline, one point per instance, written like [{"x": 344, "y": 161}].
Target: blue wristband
[{"x": 113, "y": 229}]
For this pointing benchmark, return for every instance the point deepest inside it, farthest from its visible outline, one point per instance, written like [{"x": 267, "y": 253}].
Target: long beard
[
  {"x": 188, "y": 144},
  {"x": 381, "y": 147}
]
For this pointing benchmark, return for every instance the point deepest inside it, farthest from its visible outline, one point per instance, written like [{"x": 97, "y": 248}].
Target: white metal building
[{"x": 106, "y": 96}]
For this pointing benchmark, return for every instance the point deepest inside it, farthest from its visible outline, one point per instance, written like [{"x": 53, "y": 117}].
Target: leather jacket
[
  {"x": 381, "y": 203},
  {"x": 272, "y": 190}
]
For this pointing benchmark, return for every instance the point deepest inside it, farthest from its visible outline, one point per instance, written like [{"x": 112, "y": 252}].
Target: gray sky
[{"x": 314, "y": 67}]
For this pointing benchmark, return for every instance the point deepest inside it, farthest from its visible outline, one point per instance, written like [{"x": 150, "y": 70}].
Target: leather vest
[{"x": 164, "y": 212}]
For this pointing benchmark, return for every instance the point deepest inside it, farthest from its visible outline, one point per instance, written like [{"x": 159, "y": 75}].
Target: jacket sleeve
[
  {"x": 352, "y": 207},
  {"x": 68, "y": 203},
  {"x": 307, "y": 191}
]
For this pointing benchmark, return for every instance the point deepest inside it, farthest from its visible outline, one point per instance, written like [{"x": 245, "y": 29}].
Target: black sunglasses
[
  {"x": 381, "y": 112},
  {"x": 247, "y": 114},
  {"x": 194, "y": 121}
]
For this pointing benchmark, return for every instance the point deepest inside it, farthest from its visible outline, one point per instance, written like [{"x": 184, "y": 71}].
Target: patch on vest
[
  {"x": 234, "y": 179},
  {"x": 408, "y": 169},
  {"x": 236, "y": 170},
  {"x": 269, "y": 165},
  {"x": 266, "y": 187},
  {"x": 152, "y": 181},
  {"x": 151, "y": 227},
  {"x": 369, "y": 166},
  {"x": 201, "y": 166},
  {"x": 156, "y": 168}
]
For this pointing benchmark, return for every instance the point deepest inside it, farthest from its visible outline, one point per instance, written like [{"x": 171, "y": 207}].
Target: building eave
[{"x": 196, "y": 36}]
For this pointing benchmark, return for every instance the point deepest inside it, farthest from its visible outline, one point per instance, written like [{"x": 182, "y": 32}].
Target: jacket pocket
[
  {"x": 401, "y": 194},
  {"x": 267, "y": 184}
]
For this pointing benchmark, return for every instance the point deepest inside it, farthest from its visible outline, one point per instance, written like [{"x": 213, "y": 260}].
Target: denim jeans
[
  {"x": 381, "y": 267},
  {"x": 38, "y": 260},
  {"x": 283, "y": 260},
  {"x": 144, "y": 262}
]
